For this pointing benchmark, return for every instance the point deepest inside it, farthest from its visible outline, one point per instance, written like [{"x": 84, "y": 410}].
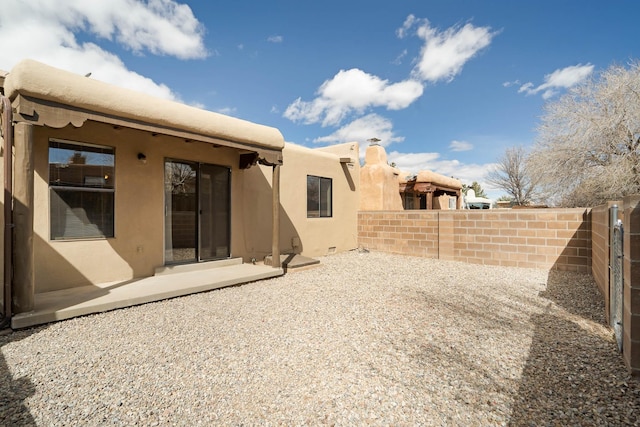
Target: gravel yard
[{"x": 363, "y": 339}]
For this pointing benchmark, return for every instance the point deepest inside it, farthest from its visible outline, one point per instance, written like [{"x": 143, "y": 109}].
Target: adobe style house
[
  {"x": 384, "y": 187},
  {"x": 111, "y": 186},
  {"x": 430, "y": 190},
  {"x": 379, "y": 182}
]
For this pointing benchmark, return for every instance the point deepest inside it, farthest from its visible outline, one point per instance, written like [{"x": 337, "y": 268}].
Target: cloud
[
  {"x": 445, "y": 53},
  {"x": 363, "y": 129},
  {"x": 400, "y": 57},
  {"x": 460, "y": 146},
  {"x": 509, "y": 84},
  {"x": 562, "y": 78},
  {"x": 352, "y": 91},
  {"x": 275, "y": 39},
  {"x": 159, "y": 27},
  {"x": 406, "y": 26},
  {"x": 416, "y": 162}
]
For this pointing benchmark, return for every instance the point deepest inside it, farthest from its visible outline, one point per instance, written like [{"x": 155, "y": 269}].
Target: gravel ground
[{"x": 363, "y": 339}]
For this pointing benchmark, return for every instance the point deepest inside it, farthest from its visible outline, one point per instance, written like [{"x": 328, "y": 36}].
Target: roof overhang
[{"x": 44, "y": 95}]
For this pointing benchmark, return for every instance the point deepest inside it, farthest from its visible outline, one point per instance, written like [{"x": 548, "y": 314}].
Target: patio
[{"x": 168, "y": 282}]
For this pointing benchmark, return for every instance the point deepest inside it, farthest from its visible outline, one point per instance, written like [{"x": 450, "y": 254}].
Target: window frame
[
  {"x": 98, "y": 187},
  {"x": 321, "y": 190}
]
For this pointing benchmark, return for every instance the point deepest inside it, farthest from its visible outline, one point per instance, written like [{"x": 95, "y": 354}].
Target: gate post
[
  {"x": 631, "y": 316},
  {"x": 613, "y": 219}
]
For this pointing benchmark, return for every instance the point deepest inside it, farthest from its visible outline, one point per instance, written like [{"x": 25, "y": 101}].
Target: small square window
[{"x": 319, "y": 203}]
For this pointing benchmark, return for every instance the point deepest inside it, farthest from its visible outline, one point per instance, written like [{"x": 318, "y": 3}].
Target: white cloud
[
  {"x": 406, "y": 26},
  {"x": 352, "y": 91},
  {"x": 460, "y": 146},
  {"x": 160, "y": 27},
  {"x": 275, "y": 39},
  {"x": 400, "y": 57},
  {"x": 363, "y": 129},
  {"x": 444, "y": 53},
  {"x": 562, "y": 78}
]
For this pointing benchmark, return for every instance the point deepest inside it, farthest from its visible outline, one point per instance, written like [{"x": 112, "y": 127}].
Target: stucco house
[
  {"x": 430, "y": 190},
  {"x": 109, "y": 191},
  {"x": 384, "y": 187}
]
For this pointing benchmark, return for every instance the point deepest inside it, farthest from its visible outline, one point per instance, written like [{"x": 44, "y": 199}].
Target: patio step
[
  {"x": 196, "y": 266},
  {"x": 292, "y": 261}
]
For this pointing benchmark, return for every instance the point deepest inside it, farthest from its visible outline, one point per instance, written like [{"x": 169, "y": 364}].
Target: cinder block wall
[
  {"x": 400, "y": 232},
  {"x": 533, "y": 238}
]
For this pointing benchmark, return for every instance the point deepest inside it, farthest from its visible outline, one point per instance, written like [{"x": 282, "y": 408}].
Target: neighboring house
[
  {"x": 379, "y": 182},
  {"x": 430, "y": 190},
  {"x": 112, "y": 185},
  {"x": 383, "y": 187}
]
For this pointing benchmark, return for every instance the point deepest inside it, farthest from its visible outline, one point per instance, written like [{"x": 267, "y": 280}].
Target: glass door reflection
[{"x": 181, "y": 208}]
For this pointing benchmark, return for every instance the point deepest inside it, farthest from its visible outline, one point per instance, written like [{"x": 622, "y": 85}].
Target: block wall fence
[
  {"x": 531, "y": 238},
  {"x": 553, "y": 239}
]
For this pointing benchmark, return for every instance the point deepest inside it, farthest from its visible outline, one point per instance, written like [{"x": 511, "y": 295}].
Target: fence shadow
[
  {"x": 574, "y": 374},
  {"x": 14, "y": 390}
]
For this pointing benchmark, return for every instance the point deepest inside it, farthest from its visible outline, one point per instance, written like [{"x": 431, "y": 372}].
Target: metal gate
[{"x": 616, "y": 291}]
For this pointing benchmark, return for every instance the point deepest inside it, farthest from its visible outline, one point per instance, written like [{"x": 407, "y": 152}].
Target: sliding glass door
[
  {"x": 197, "y": 212},
  {"x": 214, "y": 212}
]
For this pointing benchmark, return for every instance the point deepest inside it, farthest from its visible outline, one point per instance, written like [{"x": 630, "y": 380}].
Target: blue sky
[{"x": 446, "y": 85}]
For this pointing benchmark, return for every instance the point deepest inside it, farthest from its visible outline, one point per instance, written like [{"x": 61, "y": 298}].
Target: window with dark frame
[
  {"x": 319, "y": 197},
  {"x": 81, "y": 190}
]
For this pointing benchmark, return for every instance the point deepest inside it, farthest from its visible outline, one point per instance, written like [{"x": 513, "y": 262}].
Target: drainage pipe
[{"x": 7, "y": 152}]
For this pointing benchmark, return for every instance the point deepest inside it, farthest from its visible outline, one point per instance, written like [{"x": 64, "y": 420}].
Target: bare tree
[
  {"x": 513, "y": 176},
  {"x": 588, "y": 146}
]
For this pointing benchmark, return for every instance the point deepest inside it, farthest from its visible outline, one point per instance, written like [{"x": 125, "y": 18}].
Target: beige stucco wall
[
  {"x": 138, "y": 246},
  {"x": 379, "y": 182},
  {"x": 299, "y": 234}
]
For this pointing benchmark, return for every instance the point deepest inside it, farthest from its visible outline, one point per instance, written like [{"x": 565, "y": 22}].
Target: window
[
  {"x": 318, "y": 197},
  {"x": 453, "y": 202},
  {"x": 81, "y": 190},
  {"x": 408, "y": 199}
]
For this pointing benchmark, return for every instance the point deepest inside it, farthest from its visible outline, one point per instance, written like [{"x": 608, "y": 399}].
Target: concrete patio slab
[{"x": 170, "y": 283}]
